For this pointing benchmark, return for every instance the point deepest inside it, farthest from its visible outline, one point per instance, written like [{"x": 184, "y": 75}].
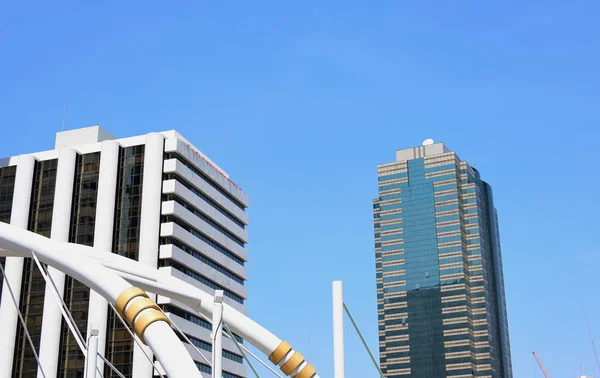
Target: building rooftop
[
  {"x": 428, "y": 148},
  {"x": 85, "y": 135}
]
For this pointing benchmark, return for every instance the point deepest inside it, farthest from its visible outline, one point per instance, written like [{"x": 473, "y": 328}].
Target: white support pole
[
  {"x": 217, "y": 336},
  {"x": 103, "y": 237},
  {"x": 92, "y": 353},
  {"x": 9, "y": 315},
  {"x": 338, "y": 330},
  {"x": 61, "y": 222}
]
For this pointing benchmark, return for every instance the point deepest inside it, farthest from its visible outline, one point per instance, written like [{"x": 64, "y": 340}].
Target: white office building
[{"x": 154, "y": 198}]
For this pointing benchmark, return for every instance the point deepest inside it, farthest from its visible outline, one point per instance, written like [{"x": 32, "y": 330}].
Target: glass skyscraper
[{"x": 440, "y": 286}]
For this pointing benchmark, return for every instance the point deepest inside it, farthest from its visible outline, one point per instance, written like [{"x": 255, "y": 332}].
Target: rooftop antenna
[
  {"x": 64, "y": 116},
  {"x": 590, "y": 334}
]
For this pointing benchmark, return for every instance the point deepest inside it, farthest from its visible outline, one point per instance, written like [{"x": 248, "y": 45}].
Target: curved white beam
[
  {"x": 156, "y": 281},
  {"x": 69, "y": 259},
  {"x": 151, "y": 279}
]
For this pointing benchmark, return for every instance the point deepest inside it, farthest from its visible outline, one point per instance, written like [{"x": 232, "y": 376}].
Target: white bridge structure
[{"x": 124, "y": 283}]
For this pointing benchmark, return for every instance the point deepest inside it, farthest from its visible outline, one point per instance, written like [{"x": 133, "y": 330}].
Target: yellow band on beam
[
  {"x": 126, "y": 296},
  {"x": 147, "y": 318},
  {"x": 280, "y": 352},
  {"x": 307, "y": 372},
  {"x": 138, "y": 306},
  {"x": 292, "y": 364}
]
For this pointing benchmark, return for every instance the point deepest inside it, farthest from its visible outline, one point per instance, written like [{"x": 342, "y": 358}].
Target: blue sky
[{"x": 300, "y": 102}]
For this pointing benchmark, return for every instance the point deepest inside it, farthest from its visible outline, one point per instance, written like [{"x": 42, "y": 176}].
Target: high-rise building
[
  {"x": 440, "y": 287},
  {"x": 154, "y": 198}
]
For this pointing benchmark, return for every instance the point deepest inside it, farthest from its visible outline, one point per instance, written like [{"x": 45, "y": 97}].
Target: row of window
[
  {"x": 76, "y": 294},
  {"x": 204, "y": 197},
  {"x": 207, "y": 347},
  {"x": 198, "y": 277},
  {"x": 195, "y": 254},
  {"x": 31, "y": 302},
  {"x": 392, "y": 176},
  {"x": 208, "y": 370},
  {"x": 193, "y": 318},
  {"x": 119, "y": 344},
  {"x": 204, "y": 217},
  {"x": 205, "y": 177},
  {"x": 204, "y": 238}
]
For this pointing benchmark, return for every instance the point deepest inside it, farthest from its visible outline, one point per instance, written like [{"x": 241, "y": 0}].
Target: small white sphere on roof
[{"x": 427, "y": 142}]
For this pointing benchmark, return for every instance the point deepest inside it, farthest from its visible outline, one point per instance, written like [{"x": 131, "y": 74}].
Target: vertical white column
[
  {"x": 149, "y": 228},
  {"x": 338, "y": 330},
  {"x": 217, "y": 336},
  {"x": 103, "y": 236},
  {"x": 13, "y": 268},
  {"x": 61, "y": 222},
  {"x": 92, "y": 353}
]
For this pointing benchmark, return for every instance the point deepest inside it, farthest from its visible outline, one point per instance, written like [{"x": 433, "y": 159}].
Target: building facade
[
  {"x": 440, "y": 287},
  {"x": 154, "y": 198}
]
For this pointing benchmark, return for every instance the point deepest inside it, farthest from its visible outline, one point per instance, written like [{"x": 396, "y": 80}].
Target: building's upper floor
[{"x": 89, "y": 139}]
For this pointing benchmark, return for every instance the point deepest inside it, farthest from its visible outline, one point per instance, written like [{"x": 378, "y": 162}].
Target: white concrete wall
[
  {"x": 149, "y": 228},
  {"x": 14, "y": 265},
  {"x": 175, "y": 187},
  {"x": 174, "y": 230},
  {"x": 61, "y": 222},
  {"x": 173, "y": 208},
  {"x": 207, "y": 167},
  {"x": 103, "y": 236},
  {"x": 173, "y": 165},
  {"x": 199, "y": 267}
]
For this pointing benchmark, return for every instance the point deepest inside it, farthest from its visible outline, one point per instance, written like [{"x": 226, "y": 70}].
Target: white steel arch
[{"x": 112, "y": 276}]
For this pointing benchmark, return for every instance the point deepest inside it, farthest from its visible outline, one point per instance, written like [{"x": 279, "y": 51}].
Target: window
[
  {"x": 33, "y": 286},
  {"x": 200, "y": 278},
  {"x": 77, "y": 295},
  {"x": 206, "y": 178},
  {"x": 192, "y": 252},
  {"x": 119, "y": 344}
]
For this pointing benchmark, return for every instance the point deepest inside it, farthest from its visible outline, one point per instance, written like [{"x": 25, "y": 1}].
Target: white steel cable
[
  {"x": 69, "y": 319},
  {"x": 257, "y": 358},
  {"x": 135, "y": 339},
  {"x": 67, "y": 257},
  {"x": 245, "y": 348},
  {"x": 59, "y": 302},
  {"x": 362, "y": 339},
  {"x": 37, "y": 358},
  {"x": 242, "y": 352},
  {"x": 75, "y": 330},
  {"x": 187, "y": 339},
  {"x": 71, "y": 322},
  {"x": 73, "y": 326}
]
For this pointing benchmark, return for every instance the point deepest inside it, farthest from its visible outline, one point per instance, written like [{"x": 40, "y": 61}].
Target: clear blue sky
[{"x": 300, "y": 102}]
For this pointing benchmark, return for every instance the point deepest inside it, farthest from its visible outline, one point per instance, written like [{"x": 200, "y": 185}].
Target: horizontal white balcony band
[
  {"x": 180, "y": 212},
  {"x": 177, "y": 274},
  {"x": 209, "y": 253},
  {"x": 171, "y": 229},
  {"x": 174, "y": 302},
  {"x": 174, "y": 253},
  {"x": 228, "y": 365},
  {"x": 206, "y": 166},
  {"x": 175, "y": 187},
  {"x": 199, "y": 332},
  {"x": 175, "y": 166},
  {"x": 196, "y": 242}
]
